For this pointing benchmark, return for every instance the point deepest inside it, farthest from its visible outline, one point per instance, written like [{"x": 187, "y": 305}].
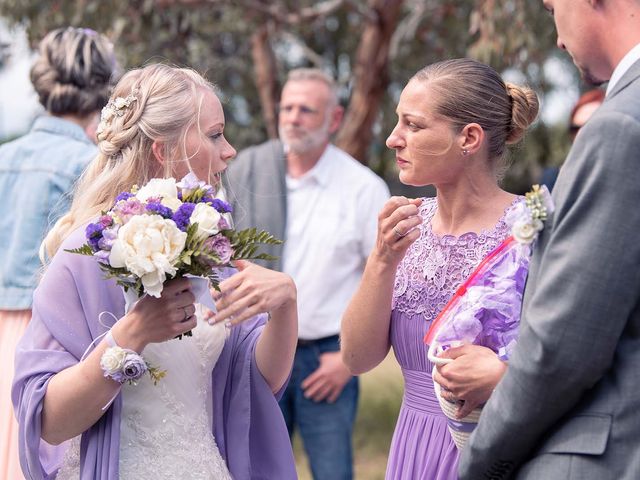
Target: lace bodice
[
  {"x": 435, "y": 266},
  {"x": 166, "y": 429}
]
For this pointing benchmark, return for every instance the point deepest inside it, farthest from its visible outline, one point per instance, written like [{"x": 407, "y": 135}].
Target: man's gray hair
[{"x": 300, "y": 74}]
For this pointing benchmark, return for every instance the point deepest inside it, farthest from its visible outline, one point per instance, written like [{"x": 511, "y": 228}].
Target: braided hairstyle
[
  {"x": 75, "y": 71},
  {"x": 156, "y": 103}
]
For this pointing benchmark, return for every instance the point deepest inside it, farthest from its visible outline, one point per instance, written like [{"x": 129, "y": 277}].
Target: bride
[{"x": 214, "y": 415}]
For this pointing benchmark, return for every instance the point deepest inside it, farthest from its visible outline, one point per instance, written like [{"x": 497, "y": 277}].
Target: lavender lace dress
[{"x": 430, "y": 273}]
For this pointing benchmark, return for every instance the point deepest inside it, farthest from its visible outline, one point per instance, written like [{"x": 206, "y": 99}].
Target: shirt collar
[
  {"x": 321, "y": 171},
  {"x": 59, "y": 126},
  {"x": 625, "y": 64}
]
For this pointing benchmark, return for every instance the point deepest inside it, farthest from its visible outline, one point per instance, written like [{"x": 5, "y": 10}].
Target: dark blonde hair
[
  {"x": 74, "y": 72},
  {"x": 467, "y": 91},
  {"x": 164, "y": 102}
]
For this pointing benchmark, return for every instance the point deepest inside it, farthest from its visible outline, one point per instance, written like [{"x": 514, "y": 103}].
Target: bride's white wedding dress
[{"x": 165, "y": 429}]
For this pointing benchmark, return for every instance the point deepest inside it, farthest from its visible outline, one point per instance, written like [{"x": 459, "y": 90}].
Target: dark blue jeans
[{"x": 325, "y": 428}]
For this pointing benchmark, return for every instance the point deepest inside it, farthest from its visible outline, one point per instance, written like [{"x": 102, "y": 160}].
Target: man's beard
[{"x": 305, "y": 140}]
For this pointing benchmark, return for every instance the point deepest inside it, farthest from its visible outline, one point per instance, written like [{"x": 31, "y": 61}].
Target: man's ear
[
  {"x": 336, "y": 119},
  {"x": 158, "y": 152},
  {"x": 471, "y": 138}
]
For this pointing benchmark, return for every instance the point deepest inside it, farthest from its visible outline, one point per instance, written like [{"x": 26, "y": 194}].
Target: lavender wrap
[{"x": 247, "y": 422}]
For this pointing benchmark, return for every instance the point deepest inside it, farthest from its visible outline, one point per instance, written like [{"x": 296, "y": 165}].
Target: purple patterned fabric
[
  {"x": 488, "y": 313},
  {"x": 248, "y": 425},
  {"x": 433, "y": 268}
]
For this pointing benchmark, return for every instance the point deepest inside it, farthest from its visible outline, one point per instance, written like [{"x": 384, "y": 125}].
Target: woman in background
[{"x": 73, "y": 77}]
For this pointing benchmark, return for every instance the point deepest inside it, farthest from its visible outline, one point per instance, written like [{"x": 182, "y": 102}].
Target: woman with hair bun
[
  {"x": 214, "y": 415},
  {"x": 73, "y": 76},
  {"x": 455, "y": 119}
]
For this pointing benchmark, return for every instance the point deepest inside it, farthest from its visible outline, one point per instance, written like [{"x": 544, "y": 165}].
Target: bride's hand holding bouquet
[{"x": 167, "y": 230}]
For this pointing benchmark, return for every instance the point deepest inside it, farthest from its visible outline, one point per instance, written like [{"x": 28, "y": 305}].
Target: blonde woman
[
  {"x": 73, "y": 77},
  {"x": 455, "y": 119},
  {"x": 215, "y": 414}
]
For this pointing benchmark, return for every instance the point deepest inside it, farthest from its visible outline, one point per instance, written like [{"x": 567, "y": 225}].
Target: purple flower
[
  {"x": 220, "y": 246},
  {"x": 221, "y": 206},
  {"x": 128, "y": 208},
  {"x": 183, "y": 215},
  {"x": 106, "y": 220},
  {"x": 190, "y": 182},
  {"x": 134, "y": 367},
  {"x": 93, "y": 232},
  {"x": 109, "y": 235},
  {"x": 124, "y": 196},
  {"x": 102, "y": 256},
  {"x": 223, "y": 224},
  {"x": 155, "y": 206}
]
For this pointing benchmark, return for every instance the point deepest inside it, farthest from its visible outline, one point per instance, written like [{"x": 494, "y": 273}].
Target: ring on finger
[{"x": 397, "y": 232}]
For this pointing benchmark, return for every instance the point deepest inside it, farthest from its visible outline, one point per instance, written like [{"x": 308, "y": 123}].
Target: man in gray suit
[{"x": 569, "y": 405}]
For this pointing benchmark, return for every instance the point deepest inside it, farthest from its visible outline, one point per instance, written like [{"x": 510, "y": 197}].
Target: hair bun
[{"x": 524, "y": 110}]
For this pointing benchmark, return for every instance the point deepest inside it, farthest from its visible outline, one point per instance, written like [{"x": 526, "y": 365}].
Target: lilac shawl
[{"x": 248, "y": 425}]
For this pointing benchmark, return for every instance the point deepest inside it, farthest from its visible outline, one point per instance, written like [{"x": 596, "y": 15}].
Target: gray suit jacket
[
  {"x": 569, "y": 405},
  {"x": 256, "y": 187}
]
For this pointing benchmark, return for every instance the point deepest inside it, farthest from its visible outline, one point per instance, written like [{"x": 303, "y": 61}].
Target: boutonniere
[{"x": 528, "y": 218}]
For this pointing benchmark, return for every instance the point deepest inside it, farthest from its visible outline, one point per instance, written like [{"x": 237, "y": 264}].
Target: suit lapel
[{"x": 628, "y": 78}]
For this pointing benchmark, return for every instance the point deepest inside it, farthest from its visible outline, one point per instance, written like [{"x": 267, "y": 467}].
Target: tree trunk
[
  {"x": 370, "y": 79},
  {"x": 264, "y": 65}
]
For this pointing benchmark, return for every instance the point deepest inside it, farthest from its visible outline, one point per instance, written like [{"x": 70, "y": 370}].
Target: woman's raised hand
[
  {"x": 397, "y": 222},
  {"x": 253, "y": 290},
  {"x": 154, "y": 320}
]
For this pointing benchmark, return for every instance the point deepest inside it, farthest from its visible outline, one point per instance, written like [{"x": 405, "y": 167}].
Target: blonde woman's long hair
[{"x": 166, "y": 103}]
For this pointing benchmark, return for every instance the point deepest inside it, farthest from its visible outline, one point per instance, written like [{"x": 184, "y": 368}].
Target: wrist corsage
[{"x": 125, "y": 365}]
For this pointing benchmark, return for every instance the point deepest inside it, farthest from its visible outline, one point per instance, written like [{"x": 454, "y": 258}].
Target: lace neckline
[{"x": 468, "y": 237}]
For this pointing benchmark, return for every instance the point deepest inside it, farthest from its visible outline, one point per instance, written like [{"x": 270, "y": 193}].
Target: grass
[{"x": 380, "y": 398}]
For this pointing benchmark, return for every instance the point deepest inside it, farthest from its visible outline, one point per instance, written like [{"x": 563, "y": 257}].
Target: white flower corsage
[
  {"x": 528, "y": 218},
  {"x": 124, "y": 365}
]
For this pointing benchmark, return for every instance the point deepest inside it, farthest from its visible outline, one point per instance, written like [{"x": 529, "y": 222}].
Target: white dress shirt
[
  {"x": 625, "y": 64},
  {"x": 332, "y": 215}
]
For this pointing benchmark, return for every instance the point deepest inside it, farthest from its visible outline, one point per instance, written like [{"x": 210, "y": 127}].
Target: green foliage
[
  {"x": 214, "y": 37},
  {"x": 83, "y": 250},
  {"x": 245, "y": 244}
]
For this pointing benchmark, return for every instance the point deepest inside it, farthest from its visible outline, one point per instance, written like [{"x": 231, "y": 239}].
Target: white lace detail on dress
[
  {"x": 166, "y": 429},
  {"x": 435, "y": 266}
]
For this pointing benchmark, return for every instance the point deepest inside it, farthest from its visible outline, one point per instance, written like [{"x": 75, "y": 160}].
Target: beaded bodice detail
[{"x": 435, "y": 266}]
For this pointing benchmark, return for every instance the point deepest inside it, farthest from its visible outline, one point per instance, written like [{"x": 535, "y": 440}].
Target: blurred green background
[{"x": 371, "y": 46}]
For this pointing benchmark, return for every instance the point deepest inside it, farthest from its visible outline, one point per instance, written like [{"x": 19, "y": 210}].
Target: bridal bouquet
[
  {"x": 166, "y": 229},
  {"x": 485, "y": 310}
]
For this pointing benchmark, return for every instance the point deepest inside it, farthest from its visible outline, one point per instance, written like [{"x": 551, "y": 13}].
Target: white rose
[
  {"x": 120, "y": 103},
  {"x": 112, "y": 360},
  {"x": 207, "y": 218},
  {"x": 165, "y": 188},
  {"x": 148, "y": 246},
  {"x": 107, "y": 114},
  {"x": 537, "y": 225},
  {"x": 524, "y": 232}
]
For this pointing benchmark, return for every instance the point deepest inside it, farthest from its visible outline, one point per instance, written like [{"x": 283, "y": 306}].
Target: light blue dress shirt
[{"x": 37, "y": 173}]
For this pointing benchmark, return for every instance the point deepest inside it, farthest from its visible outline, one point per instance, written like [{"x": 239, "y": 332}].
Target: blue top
[{"x": 37, "y": 172}]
